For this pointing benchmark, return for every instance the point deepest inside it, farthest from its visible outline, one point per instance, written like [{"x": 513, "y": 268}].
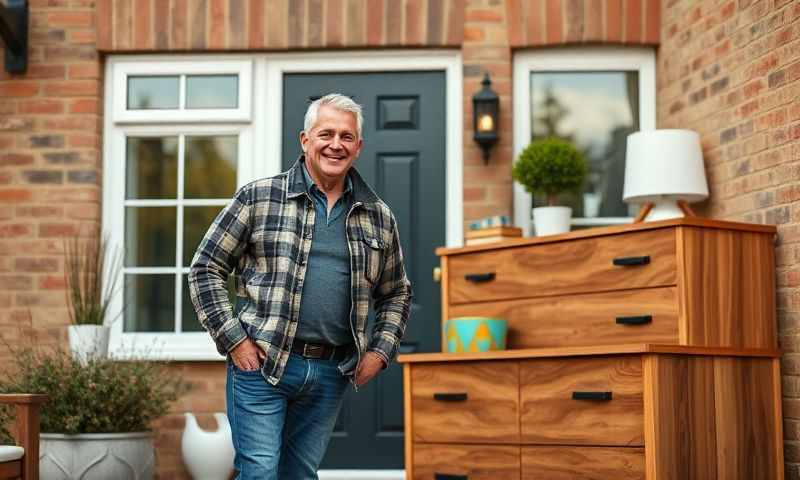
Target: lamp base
[{"x": 663, "y": 209}]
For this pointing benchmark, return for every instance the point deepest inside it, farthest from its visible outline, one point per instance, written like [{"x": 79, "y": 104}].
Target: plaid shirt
[{"x": 264, "y": 237}]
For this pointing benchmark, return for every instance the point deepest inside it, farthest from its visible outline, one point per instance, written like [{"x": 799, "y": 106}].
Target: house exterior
[{"x": 120, "y": 95}]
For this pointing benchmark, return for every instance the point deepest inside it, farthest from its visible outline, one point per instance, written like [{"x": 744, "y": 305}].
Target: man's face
[{"x": 332, "y": 144}]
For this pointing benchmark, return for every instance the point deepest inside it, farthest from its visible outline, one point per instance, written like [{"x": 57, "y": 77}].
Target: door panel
[{"x": 403, "y": 160}]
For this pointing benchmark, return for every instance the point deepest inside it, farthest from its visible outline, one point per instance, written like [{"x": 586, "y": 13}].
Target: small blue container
[{"x": 475, "y": 334}]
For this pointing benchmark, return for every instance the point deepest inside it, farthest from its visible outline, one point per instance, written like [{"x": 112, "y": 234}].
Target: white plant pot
[
  {"x": 96, "y": 456},
  {"x": 591, "y": 204},
  {"x": 208, "y": 455},
  {"x": 551, "y": 220},
  {"x": 88, "y": 341}
]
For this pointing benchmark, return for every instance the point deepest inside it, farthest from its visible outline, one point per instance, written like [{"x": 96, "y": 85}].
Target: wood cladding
[
  {"x": 561, "y": 268},
  {"x": 713, "y": 417},
  {"x": 728, "y": 288}
]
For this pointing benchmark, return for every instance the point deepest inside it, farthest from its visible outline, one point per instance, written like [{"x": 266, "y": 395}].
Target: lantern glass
[{"x": 485, "y": 113}]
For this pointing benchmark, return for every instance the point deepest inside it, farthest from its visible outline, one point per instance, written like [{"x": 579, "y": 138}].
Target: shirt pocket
[{"x": 373, "y": 257}]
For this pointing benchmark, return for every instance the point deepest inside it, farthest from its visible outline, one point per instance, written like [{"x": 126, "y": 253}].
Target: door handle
[
  {"x": 631, "y": 261},
  {"x": 437, "y": 274},
  {"x": 593, "y": 396},
  {"x": 637, "y": 320},
  {"x": 450, "y": 397},
  {"x": 479, "y": 277}
]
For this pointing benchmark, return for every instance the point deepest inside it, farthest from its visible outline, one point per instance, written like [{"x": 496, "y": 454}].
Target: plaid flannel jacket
[{"x": 264, "y": 237}]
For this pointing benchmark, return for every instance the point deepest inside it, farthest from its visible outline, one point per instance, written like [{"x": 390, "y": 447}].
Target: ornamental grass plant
[{"x": 86, "y": 263}]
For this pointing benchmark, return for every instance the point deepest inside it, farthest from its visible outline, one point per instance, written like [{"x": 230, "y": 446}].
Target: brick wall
[
  {"x": 50, "y": 118},
  {"x": 729, "y": 69}
]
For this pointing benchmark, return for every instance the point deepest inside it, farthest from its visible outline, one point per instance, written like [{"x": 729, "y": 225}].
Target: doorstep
[{"x": 362, "y": 475}]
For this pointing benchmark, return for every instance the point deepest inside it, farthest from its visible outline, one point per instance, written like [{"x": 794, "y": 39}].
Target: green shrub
[
  {"x": 550, "y": 166},
  {"x": 98, "y": 396}
]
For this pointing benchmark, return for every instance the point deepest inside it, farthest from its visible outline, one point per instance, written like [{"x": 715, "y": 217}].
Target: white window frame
[
  {"x": 261, "y": 82},
  {"x": 585, "y": 59},
  {"x": 181, "y": 67}
]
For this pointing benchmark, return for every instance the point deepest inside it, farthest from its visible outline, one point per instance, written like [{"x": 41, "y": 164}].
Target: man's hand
[
  {"x": 247, "y": 355},
  {"x": 370, "y": 365}
]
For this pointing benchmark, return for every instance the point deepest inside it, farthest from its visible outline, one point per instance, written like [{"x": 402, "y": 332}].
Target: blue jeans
[{"x": 282, "y": 431}]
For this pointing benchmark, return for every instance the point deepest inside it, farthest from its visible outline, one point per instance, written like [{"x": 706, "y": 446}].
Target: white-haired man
[{"x": 309, "y": 248}]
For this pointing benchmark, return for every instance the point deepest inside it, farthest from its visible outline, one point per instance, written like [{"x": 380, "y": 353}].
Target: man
[{"x": 309, "y": 248}]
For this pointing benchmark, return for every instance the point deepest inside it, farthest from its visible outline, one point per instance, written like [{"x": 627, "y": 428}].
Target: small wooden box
[{"x": 491, "y": 235}]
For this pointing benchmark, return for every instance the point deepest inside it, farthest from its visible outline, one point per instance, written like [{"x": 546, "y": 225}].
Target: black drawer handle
[
  {"x": 594, "y": 396},
  {"x": 479, "y": 277},
  {"x": 638, "y": 320},
  {"x": 450, "y": 397},
  {"x": 447, "y": 476},
  {"x": 631, "y": 261}
]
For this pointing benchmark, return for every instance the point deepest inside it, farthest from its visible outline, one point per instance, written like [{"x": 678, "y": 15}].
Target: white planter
[
  {"x": 551, "y": 220},
  {"x": 96, "y": 456},
  {"x": 208, "y": 455},
  {"x": 88, "y": 341},
  {"x": 591, "y": 204}
]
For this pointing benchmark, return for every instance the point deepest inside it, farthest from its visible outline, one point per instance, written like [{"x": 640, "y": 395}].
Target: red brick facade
[{"x": 728, "y": 69}]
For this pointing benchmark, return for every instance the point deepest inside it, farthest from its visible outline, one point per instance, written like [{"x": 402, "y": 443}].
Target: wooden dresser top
[
  {"x": 613, "y": 230},
  {"x": 585, "y": 351}
]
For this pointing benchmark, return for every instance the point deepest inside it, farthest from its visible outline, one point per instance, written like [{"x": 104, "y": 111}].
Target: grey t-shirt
[{"x": 325, "y": 304}]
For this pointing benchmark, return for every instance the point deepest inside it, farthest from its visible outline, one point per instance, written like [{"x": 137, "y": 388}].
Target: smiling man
[{"x": 309, "y": 248}]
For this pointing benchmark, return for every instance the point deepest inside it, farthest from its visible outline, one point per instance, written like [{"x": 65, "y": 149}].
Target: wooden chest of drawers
[
  {"x": 684, "y": 282},
  {"x": 643, "y": 351},
  {"x": 612, "y": 412}
]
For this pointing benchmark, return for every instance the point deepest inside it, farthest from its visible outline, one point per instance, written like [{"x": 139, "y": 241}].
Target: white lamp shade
[{"x": 663, "y": 164}]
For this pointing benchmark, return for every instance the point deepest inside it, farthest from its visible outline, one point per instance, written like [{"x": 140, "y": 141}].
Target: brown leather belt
[{"x": 320, "y": 350}]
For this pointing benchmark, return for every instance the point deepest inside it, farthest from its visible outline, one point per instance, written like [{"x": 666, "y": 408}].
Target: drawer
[
  {"x": 648, "y": 315},
  {"x": 582, "y": 401},
  {"x": 582, "y": 463},
  {"x": 467, "y": 462},
  {"x": 465, "y": 402},
  {"x": 643, "y": 259}
]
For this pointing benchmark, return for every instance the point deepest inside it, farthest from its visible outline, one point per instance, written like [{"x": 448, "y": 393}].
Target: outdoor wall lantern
[
  {"x": 486, "y": 109},
  {"x": 14, "y": 32}
]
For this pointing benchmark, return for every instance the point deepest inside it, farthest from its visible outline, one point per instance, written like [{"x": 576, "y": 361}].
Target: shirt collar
[{"x": 311, "y": 186}]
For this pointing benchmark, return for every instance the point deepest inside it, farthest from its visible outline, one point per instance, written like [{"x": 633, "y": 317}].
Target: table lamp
[{"x": 664, "y": 172}]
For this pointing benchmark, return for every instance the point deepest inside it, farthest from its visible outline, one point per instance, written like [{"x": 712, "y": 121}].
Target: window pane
[
  {"x": 149, "y": 93},
  {"x": 596, "y": 111},
  {"x": 190, "y": 323},
  {"x": 151, "y": 168},
  {"x": 196, "y": 221},
  {"x": 211, "y": 166},
  {"x": 212, "y": 91},
  {"x": 149, "y": 303},
  {"x": 150, "y": 236}
]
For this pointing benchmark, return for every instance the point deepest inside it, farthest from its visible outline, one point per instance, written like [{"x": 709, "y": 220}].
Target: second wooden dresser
[{"x": 641, "y": 351}]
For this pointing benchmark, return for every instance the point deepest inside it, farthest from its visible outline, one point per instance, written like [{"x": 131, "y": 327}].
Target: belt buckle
[{"x": 313, "y": 351}]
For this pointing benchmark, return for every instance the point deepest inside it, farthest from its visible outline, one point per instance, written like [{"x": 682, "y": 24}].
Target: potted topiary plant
[
  {"x": 86, "y": 263},
  {"x": 96, "y": 422},
  {"x": 550, "y": 166}
]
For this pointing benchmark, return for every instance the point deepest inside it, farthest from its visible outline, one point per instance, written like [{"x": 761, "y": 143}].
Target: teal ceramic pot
[{"x": 475, "y": 334}]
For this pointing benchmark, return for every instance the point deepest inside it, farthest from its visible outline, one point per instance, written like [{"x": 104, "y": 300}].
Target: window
[
  {"x": 179, "y": 144},
  {"x": 593, "y": 97}
]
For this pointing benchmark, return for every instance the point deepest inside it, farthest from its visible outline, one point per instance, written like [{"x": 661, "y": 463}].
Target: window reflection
[
  {"x": 212, "y": 91},
  {"x": 149, "y": 303},
  {"x": 595, "y": 111},
  {"x": 151, "y": 168},
  {"x": 211, "y": 166},
  {"x": 153, "y": 92},
  {"x": 150, "y": 236}
]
